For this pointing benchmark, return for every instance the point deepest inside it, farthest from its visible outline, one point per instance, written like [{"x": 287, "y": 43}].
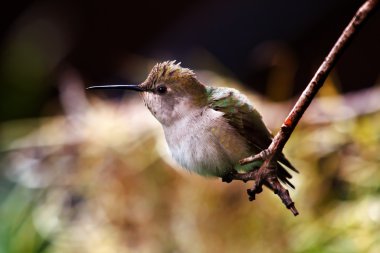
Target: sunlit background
[{"x": 90, "y": 171}]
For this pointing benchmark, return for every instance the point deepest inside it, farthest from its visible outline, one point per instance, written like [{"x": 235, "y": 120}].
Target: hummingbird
[{"x": 207, "y": 129}]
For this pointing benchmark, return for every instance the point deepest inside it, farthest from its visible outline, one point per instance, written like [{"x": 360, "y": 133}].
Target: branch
[{"x": 267, "y": 173}]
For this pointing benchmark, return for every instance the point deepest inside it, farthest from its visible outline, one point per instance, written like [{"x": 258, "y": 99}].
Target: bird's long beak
[{"x": 135, "y": 87}]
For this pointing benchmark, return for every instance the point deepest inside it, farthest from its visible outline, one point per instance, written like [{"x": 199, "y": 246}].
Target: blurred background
[{"x": 90, "y": 171}]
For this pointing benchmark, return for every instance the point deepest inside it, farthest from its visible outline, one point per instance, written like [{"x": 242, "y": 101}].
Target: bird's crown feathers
[{"x": 169, "y": 71}]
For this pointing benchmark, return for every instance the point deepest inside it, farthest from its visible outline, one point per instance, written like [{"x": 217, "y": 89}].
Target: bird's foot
[
  {"x": 262, "y": 156},
  {"x": 227, "y": 178},
  {"x": 234, "y": 175},
  {"x": 267, "y": 175}
]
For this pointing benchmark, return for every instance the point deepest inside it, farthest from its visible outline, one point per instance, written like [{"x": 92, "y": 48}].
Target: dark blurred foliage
[
  {"x": 91, "y": 173},
  {"x": 251, "y": 40}
]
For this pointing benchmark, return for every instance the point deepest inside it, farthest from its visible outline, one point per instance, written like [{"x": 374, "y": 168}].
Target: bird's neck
[{"x": 187, "y": 117}]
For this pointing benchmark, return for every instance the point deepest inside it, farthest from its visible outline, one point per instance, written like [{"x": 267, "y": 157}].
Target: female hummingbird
[{"x": 208, "y": 129}]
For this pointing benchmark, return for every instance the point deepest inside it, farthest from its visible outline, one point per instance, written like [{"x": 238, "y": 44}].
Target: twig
[{"x": 267, "y": 172}]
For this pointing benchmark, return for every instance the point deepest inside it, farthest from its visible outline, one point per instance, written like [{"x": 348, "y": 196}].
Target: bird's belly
[
  {"x": 211, "y": 151},
  {"x": 201, "y": 155}
]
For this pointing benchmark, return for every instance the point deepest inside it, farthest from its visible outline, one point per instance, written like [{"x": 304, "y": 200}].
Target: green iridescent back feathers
[{"x": 247, "y": 121}]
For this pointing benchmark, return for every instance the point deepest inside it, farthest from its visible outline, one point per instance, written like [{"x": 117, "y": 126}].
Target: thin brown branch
[{"x": 265, "y": 174}]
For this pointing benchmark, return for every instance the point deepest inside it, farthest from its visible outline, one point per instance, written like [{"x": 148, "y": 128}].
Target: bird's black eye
[{"x": 161, "y": 89}]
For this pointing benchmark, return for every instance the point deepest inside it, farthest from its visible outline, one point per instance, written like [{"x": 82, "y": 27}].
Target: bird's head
[{"x": 170, "y": 92}]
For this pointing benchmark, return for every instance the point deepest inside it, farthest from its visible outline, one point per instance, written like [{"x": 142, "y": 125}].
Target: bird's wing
[
  {"x": 241, "y": 115},
  {"x": 248, "y": 122}
]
